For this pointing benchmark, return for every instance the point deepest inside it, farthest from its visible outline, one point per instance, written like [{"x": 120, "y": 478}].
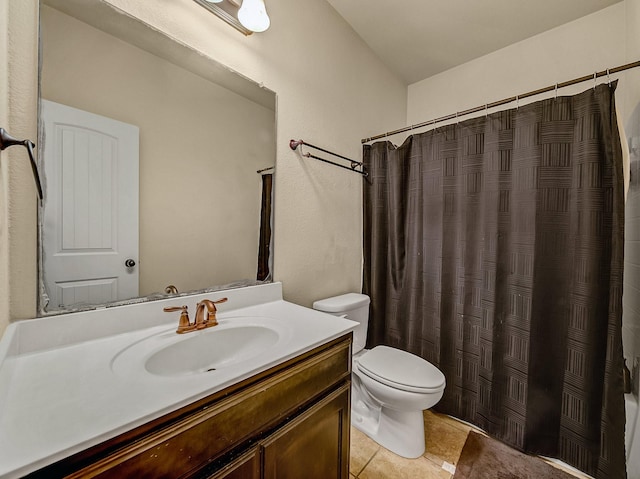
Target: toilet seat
[{"x": 401, "y": 370}]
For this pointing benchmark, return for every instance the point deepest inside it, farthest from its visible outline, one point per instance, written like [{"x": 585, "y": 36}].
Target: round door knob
[{"x": 129, "y": 263}]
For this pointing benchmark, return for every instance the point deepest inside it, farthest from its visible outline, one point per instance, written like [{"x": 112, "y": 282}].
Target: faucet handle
[
  {"x": 211, "y": 306},
  {"x": 185, "y": 324}
]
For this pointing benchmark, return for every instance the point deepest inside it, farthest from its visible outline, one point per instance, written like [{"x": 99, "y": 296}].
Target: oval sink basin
[
  {"x": 235, "y": 341},
  {"x": 211, "y": 349}
]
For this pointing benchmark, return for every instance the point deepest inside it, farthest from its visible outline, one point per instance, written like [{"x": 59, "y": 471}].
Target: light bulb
[{"x": 253, "y": 15}]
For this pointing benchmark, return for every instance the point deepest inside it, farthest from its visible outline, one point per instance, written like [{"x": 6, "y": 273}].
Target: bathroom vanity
[{"x": 278, "y": 409}]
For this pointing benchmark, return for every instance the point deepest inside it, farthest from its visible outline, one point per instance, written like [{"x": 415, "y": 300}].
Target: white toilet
[{"x": 390, "y": 387}]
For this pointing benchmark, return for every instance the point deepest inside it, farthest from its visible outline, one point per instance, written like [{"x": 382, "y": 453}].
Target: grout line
[
  {"x": 460, "y": 426},
  {"x": 370, "y": 459},
  {"x": 439, "y": 463}
]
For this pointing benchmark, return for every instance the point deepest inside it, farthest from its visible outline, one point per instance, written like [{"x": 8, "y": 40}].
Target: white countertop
[{"x": 60, "y": 395}]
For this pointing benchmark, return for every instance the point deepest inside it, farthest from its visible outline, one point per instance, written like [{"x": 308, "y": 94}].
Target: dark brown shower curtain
[
  {"x": 493, "y": 249},
  {"x": 264, "y": 244}
]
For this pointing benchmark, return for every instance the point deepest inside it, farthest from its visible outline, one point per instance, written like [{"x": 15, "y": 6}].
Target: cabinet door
[
  {"x": 246, "y": 466},
  {"x": 315, "y": 445}
]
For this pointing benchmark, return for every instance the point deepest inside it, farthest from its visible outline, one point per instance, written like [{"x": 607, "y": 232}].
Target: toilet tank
[{"x": 354, "y": 306}]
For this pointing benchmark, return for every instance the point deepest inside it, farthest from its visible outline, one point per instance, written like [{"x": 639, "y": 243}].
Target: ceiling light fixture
[
  {"x": 253, "y": 15},
  {"x": 246, "y": 16}
]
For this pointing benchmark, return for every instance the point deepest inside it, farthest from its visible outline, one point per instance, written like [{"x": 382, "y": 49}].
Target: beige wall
[
  {"x": 332, "y": 91},
  {"x": 591, "y": 43},
  {"x": 4, "y": 169},
  {"x": 200, "y": 147},
  {"x": 19, "y": 204}
]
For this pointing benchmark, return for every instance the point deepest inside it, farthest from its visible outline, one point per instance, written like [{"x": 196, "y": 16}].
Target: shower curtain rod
[{"x": 504, "y": 101}]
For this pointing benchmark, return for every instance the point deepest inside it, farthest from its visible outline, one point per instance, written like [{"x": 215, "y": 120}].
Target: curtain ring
[
  {"x": 595, "y": 81},
  {"x": 608, "y": 78},
  {"x": 457, "y": 121},
  {"x": 517, "y": 102},
  {"x": 486, "y": 110},
  {"x": 556, "y": 92}
]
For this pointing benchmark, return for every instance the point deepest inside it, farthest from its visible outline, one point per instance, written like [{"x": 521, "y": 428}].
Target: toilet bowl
[{"x": 390, "y": 387}]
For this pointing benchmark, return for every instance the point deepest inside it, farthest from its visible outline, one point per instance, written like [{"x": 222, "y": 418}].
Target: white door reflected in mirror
[{"x": 90, "y": 227}]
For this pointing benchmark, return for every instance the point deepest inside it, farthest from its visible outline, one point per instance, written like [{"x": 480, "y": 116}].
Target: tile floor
[{"x": 444, "y": 438}]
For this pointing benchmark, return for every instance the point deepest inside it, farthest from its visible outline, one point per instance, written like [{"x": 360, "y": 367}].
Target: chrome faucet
[{"x": 205, "y": 315}]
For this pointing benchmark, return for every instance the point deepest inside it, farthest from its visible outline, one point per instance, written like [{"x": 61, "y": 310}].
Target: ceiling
[{"x": 419, "y": 38}]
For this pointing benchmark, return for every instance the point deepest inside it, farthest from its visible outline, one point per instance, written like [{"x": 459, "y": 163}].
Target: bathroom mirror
[{"x": 153, "y": 158}]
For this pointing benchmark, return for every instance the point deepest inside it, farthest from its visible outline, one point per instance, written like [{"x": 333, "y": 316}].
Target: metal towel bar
[
  {"x": 6, "y": 140},
  {"x": 293, "y": 144}
]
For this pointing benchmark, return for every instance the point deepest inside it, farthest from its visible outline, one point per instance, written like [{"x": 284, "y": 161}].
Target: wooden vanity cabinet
[{"x": 290, "y": 421}]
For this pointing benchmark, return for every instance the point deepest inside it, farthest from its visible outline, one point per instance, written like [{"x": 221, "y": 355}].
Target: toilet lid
[
  {"x": 342, "y": 303},
  {"x": 400, "y": 369}
]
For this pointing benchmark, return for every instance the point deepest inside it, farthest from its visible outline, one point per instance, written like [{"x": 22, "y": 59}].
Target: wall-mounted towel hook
[
  {"x": 293, "y": 144},
  {"x": 6, "y": 140}
]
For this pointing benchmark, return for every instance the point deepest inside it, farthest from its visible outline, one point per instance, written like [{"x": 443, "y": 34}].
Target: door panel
[
  {"x": 93, "y": 291},
  {"x": 314, "y": 445}
]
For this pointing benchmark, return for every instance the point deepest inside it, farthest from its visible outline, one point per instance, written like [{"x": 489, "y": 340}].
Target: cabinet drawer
[{"x": 191, "y": 442}]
